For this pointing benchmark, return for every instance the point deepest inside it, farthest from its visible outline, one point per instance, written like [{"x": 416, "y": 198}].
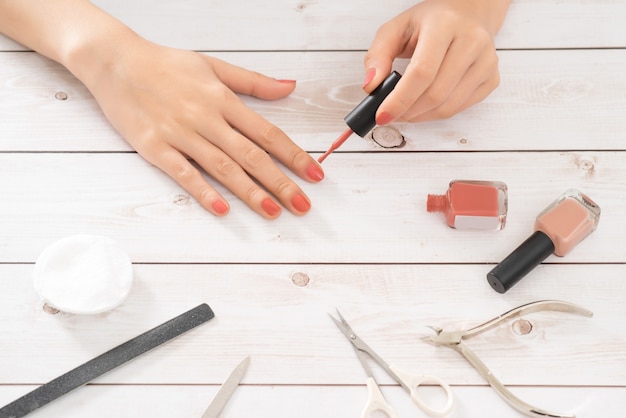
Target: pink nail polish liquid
[
  {"x": 558, "y": 229},
  {"x": 569, "y": 220},
  {"x": 472, "y": 205}
]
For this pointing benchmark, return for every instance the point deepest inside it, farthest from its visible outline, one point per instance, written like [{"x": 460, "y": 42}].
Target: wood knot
[
  {"x": 522, "y": 327},
  {"x": 388, "y": 137},
  {"x": 300, "y": 279},
  {"x": 587, "y": 166},
  {"x": 50, "y": 309},
  {"x": 181, "y": 200},
  {"x": 61, "y": 95}
]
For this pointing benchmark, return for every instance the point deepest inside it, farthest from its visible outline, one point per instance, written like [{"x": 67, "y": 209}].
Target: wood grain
[
  {"x": 260, "y": 312},
  {"x": 372, "y": 208},
  {"x": 368, "y": 247},
  {"x": 221, "y": 25},
  {"x": 575, "y": 102},
  {"x": 309, "y": 401}
]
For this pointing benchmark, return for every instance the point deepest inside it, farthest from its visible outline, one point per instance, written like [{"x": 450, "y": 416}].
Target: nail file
[{"x": 107, "y": 362}]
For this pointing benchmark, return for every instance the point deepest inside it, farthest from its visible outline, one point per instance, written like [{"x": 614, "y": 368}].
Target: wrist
[
  {"x": 75, "y": 33},
  {"x": 489, "y": 14},
  {"x": 492, "y": 13},
  {"x": 97, "y": 54}
]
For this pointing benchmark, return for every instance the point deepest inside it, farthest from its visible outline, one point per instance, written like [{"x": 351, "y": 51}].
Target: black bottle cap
[
  {"x": 520, "y": 262},
  {"x": 362, "y": 119}
]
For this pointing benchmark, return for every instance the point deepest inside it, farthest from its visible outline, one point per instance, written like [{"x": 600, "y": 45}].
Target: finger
[
  {"x": 461, "y": 56},
  {"x": 468, "y": 93},
  {"x": 448, "y": 110},
  {"x": 258, "y": 164},
  {"x": 432, "y": 46},
  {"x": 273, "y": 140},
  {"x": 266, "y": 135},
  {"x": 246, "y": 160},
  {"x": 251, "y": 83},
  {"x": 229, "y": 173},
  {"x": 175, "y": 165},
  {"x": 390, "y": 42}
]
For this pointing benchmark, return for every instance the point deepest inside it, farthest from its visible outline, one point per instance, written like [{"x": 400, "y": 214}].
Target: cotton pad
[{"x": 83, "y": 274}]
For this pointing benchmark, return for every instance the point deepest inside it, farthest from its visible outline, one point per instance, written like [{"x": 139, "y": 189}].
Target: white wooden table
[{"x": 367, "y": 246}]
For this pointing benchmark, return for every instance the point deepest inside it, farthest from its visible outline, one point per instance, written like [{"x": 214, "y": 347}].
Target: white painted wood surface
[
  {"x": 226, "y": 25},
  {"x": 575, "y": 102},
  {"x": 372, "y": 207},
  {"x": 368, "y": 246}
]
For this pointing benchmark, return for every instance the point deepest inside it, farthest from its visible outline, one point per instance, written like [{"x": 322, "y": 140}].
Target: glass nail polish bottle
[
  {"x": 558, "y": 229},
  {"x": 472, "y": 204}
]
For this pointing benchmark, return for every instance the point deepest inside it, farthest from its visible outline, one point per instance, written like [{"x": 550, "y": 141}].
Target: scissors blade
[
  {"x": 361, "y": 347},
  {"x": 347, "y": 331},
  {"x": 356, "y": 341},
  {"x": 226, "y": 390}
]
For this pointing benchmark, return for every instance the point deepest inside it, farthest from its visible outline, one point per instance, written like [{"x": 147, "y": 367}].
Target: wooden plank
[
  {"x": 260, "y": 311},
  {"x": 368, "y": 246},
  {"x": 370, "y": 208},
  {"x": 574, "y": 102},
  {"x": 310, "y": 401},
  {"x": 235, "y": 25}
]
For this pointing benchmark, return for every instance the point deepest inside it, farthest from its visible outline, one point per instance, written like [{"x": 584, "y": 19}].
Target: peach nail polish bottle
[
  {"x": 472, "y": 204},
  {"x": 558, "y": 229}
]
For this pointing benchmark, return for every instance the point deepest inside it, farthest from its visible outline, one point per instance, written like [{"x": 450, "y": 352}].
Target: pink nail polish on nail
[
  {"x": 300, "y": 203},
  {"x": 270, "y": 207},
  {"x": 369, "y": 76},
  {"x": 315, "y": 172},
  {"x": 286, "y": 81},
  {"x": 220, "y": 207},
  {"x": 384, "y": 118}
]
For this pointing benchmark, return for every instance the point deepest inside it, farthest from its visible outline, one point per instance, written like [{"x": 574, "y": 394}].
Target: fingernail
[
  {"x": 270, "y": 207},
  {"x": 384, "y": 118},
  {"x": 315, "y": 172},
  {"x": 286, "y": 81},
  {"x": 369, "y": 76},
  {"x": 300, "y": 203},
  {"x": 220, "y": 207}
]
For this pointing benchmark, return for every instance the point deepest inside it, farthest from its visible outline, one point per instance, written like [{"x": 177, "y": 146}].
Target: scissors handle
[
  {"x": 376, "y": 401},
  {"x": 413, "y": 382}
]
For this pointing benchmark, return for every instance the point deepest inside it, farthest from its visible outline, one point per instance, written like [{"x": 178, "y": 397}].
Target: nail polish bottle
[
  {"x": 558, "y": 229},
  {"x": 362, "y": 119},
  {"x": 472, "y": 204}
]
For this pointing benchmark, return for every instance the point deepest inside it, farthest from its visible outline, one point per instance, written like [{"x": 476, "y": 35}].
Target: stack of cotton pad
[{"x": 83, "y": 274}]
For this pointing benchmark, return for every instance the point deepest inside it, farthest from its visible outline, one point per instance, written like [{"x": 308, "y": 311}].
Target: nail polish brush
[{"x": 362, "y": 118}]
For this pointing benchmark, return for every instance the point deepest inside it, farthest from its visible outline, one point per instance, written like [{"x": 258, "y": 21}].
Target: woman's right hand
[{"x": 453, "y": 62}]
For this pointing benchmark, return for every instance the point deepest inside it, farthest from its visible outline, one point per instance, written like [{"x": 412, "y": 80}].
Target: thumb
[
  {"x": 389, "y": 43},
  {"x": 251, "y": 83}
]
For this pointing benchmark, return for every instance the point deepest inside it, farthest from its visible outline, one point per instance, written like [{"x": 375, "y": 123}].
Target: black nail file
[{"x": 107, "y": 362}]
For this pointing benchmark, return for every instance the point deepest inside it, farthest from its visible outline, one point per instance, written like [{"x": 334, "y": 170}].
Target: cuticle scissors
[{"x": 410, "y": 383}]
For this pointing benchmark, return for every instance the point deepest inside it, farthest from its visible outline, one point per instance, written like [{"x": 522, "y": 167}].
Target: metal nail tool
[
  {"x": 455, "y": 341},
  {"x": 410, "y": 383},
  {"x": 226, "y": 390}
]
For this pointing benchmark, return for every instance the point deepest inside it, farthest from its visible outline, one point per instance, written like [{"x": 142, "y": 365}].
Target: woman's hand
[
  {"x": 453, "y": 62},
  {"x": 173, "y": 105}
]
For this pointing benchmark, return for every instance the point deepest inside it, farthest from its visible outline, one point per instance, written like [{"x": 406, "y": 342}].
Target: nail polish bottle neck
[{"x": 437, "y": 203}]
